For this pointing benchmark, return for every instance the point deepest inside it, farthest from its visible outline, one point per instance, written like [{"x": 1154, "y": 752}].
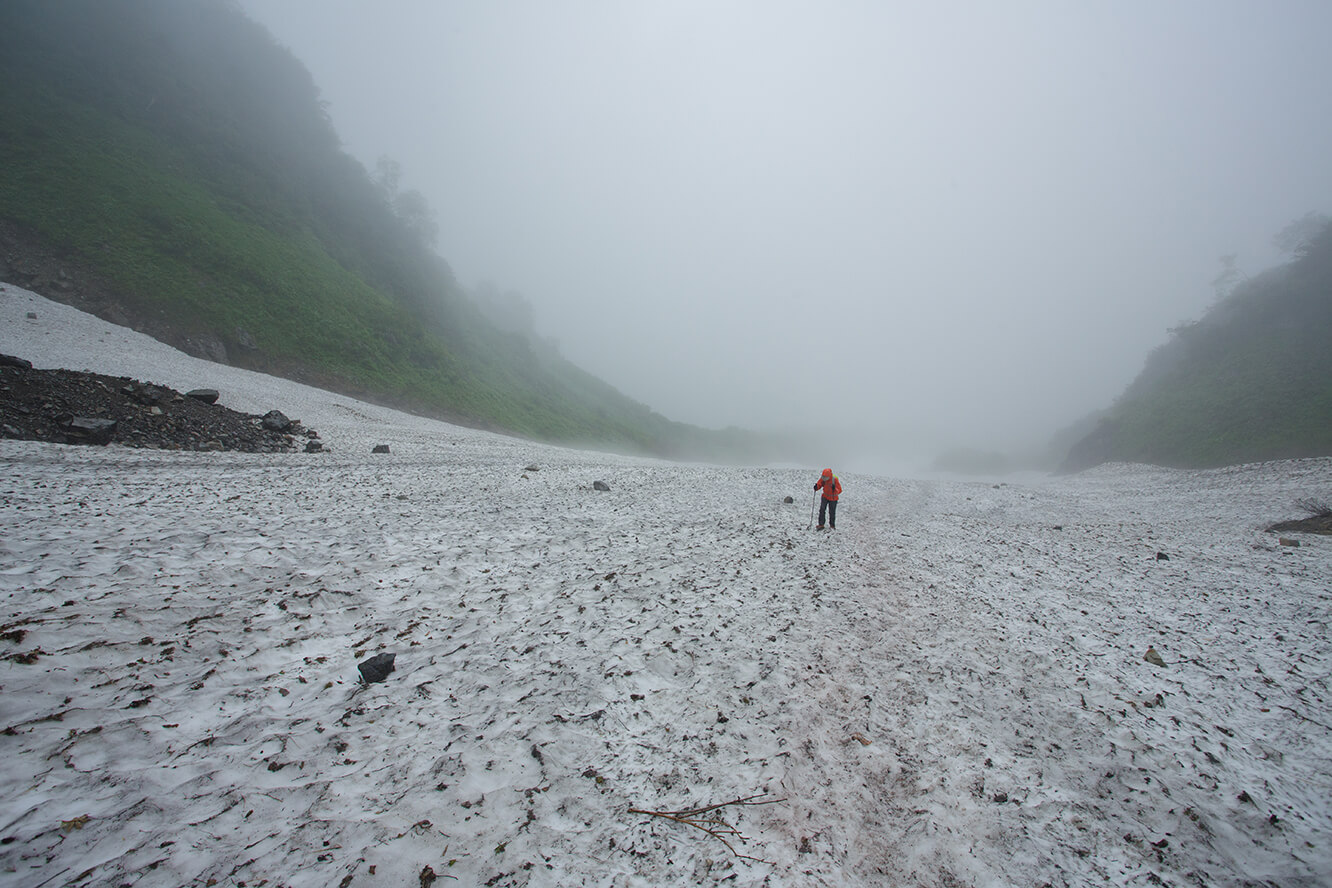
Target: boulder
[
  {"x": 208, "y": 396},
  {"x": 89, "y": 430},
  {"x": 600, "y": 485},
  {"x": 276, "y": 421},
  {"x": 380, "y": 448},
  {"x": 377, "y": 668}
]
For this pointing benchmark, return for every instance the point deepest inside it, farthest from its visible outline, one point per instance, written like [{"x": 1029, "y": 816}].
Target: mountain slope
[
  {"x": 177, "y": 155},
  {"x": 1250, "y": 381}
]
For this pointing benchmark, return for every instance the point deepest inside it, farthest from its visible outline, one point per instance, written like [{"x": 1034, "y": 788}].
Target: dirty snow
[{"x": 950, "y": 690}]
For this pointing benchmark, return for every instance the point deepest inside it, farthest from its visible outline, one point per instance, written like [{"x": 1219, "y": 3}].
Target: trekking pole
[{"x": 812, "y": 508}]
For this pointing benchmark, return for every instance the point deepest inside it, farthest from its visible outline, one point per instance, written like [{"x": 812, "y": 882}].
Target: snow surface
[{"x": 565, "y": 655}]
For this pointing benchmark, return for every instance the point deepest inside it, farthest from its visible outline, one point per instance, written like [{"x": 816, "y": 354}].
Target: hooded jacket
[{"x": 830, "y": 485}]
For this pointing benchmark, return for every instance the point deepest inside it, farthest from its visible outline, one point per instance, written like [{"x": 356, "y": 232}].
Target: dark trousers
[{"x": 828, "y": 507}]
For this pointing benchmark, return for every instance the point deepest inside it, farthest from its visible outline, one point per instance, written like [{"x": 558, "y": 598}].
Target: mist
[{"x": 894, "y": 228}]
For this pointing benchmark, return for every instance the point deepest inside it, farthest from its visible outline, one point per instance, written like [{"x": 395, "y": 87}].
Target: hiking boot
[{"x": 820, "y": 527}]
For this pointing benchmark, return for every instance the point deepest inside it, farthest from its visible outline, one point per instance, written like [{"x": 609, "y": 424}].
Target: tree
[{"x": 1298, "y": 235}]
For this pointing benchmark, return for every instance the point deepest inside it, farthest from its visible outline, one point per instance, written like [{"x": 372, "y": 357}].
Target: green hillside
[
  {"x": 176, "y": 153},
  {"x": 1250, "y": 381}
]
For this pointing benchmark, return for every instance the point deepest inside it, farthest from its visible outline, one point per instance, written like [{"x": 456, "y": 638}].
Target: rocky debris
[
  {"x": 377, "y": 668},
  {"x": 67, "y": 406},
  {"x": 600, "y": 485},
  {"x": 208, "y": 396},
  {"x": 532, "y": 468},
  {"x": 380, "y": 448},
  {"x": 314, "y": 445}
]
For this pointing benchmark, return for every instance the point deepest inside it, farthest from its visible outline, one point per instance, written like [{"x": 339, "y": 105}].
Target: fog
[{"x": 898, "y": 225}]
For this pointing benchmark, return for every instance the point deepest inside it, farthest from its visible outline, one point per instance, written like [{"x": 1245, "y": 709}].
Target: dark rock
[
  {"x": 1153, "y": 657},
  {"x": 377, "y": 668},
  {"x": 32, "y": 315},
  {"x": 314, "y": 446},
  {"x": 207, "y": 396},
  {"x": 1287, "y": 541},
  {"x": 532, "y": 468},
  {"x": 380, "y": 448},
  {"x": 600, "y": 485},
  {"x": 11, "y": 361},
  {"x": 788, "y": 500},
  {"x": 147, "y": 395},
  {"x": 89, "y": 430},
  {"x": 1161, "y": 556},
  {"x": 276, "y": 421}
]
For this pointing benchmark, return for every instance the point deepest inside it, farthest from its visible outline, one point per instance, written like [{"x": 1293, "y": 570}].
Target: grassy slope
[
  {"x": 1251, "y": 381},
  {"x": 205, "y": 240}
]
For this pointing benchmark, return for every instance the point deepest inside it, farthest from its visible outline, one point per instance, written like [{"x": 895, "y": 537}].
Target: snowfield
[{"x": 950, "y": 690}]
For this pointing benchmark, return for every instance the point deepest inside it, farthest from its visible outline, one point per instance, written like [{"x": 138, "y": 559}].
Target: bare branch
[{"x": 714, "y": 826}]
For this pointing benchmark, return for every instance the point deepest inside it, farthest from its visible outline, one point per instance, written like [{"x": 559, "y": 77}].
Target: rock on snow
[{"x": 949, "y": 691}]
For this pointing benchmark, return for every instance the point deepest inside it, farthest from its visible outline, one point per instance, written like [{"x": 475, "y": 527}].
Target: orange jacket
[{"x": 830, "y": 485}]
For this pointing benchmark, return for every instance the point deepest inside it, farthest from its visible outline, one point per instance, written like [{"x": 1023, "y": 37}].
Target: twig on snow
[{"x": 714, "y": 825}]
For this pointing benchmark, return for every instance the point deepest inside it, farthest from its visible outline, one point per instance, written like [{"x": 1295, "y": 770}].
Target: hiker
[{"x": 831, "y": 487}]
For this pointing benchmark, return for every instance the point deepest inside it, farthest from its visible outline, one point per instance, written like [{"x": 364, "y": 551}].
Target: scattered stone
[
  {"x": 314, "y": 445},
  {"x": 1287, "y": 541},
  {"x": 377, "y": 668},
  {"x": 1153, "y": 657},
  {"x": 276, "y": 421},
  {"x": 1161, "y": 556},
  {"x": 600, "y": 485},
  {"x": 207, "y": 396},
  {"x": 532, "y": 468},
  {"x": 788, "y": 500},
  {"x": 380, "y": 448},
  {"x": 32, "y": 315}
]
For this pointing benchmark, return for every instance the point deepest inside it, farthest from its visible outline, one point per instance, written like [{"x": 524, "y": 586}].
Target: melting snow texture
[{"x": 949, "y": 690}]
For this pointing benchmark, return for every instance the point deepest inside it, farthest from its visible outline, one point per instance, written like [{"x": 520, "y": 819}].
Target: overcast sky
[{"x": 959, "y": 222}]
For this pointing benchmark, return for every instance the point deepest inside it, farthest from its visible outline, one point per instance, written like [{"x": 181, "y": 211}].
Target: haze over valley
[{"x": 898, "y": 229}]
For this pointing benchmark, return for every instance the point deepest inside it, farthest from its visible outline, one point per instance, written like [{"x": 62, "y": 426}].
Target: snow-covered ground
[{"x": 949, "y": 690}]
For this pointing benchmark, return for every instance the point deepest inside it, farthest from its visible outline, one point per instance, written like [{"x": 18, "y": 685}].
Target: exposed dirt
[{"x": 1313, "y": 524}]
